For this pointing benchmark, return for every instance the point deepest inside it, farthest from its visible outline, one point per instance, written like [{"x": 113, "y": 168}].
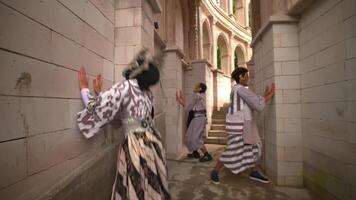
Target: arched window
[
  {"x": 236, "y": 60},
  {"x": 222, "y": 54},
  {"x": 218, "y": 55}
]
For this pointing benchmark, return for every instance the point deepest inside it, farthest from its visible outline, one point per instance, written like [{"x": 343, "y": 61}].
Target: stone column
[
  {"x": 194, "y": 29},
  {"x": 134, "y": 29},
  {"x": 276, "y": 57},
  {"x": 214, "y": 44},
  {"x": 172, "y": 80}
]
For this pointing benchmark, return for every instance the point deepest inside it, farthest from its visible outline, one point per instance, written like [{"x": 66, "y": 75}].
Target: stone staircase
[{"x": 216, "y": 134}]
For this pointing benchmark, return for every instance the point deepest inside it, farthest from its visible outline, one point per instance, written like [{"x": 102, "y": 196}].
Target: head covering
[{"x": 141, "y": 63}]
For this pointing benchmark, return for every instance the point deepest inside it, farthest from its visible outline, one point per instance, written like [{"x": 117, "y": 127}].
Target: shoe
[
  {"x": 195, "y": 154},
  {"x": 257, "y": 176},
  {"x": 207, "y": 157},
  {"x": 214, "y": 176}
]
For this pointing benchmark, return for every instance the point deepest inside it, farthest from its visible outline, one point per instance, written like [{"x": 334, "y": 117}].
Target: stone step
[
  {"x": 218, "y": 121},
  {"x": 216, "y": 133},
  {"x": 219, "y": 116},
  {"x": 215, "y": 140},
  {"x": 217, "y": 127}
]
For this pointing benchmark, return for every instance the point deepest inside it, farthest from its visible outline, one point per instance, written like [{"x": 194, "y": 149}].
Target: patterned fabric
[
  {"x": 141, "y": 165},
  {"x": 239, "y": 156}
]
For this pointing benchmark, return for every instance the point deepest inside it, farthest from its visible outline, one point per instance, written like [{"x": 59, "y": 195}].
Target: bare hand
[
  {"x": 273, "y": 89},
  {"x": 97, "y": 84},
  {"x": 82, "y": 76}
]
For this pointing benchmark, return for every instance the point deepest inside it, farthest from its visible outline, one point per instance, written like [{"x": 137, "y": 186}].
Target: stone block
[
  {"x": 285, "y": 28},
  {"x": 294, "y": 180},
  {"x": 290, "y": 68},
  {"x": 91, "y": 15},
  {"x": 128, "y": 4},
  {"x": 14, "y": 124},
  {"x": 30, "y": 77},
  {"x": 331, "y": 111},
  {"x": 330, "y": 55},
  {"x": 54, "y": 15},
  {"x": 125, "y": 17},
  {"x": 291, "y": 96},
  {"x": 288, "y": 110},
  {"x": 137, "y": 16},
  {"x": 57, "y": 177},
  {"x": 307, "y": 64},
  {"x": 289, "y": 139},
  {"x": 289, "y": 39},
  {"x": 45, "y": 115},
  {"x": 290, "y": 168},
  {"x": 45, "y": 151},
  {"x": 128, "y": 36},
  {"x": 286, "y": 54},
  {"x": 293, "y": 154},
  {"x": 106, "y": 8},
  {"x": 351, "y": 132},
  {"x": 350, "y": 48},
  {"x": 351, "y": 171},
  {"x": 108, "y": 70},
  {"x": 349, "y": 8},
  {"x": 325, "y": 93},
  {"x": 351, "y": 111},
  {"x": 13, "y": 162}
]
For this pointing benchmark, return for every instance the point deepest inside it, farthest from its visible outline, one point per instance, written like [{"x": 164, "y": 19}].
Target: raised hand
[
  {"x": 269, "y": 92},
  {"x": 97, "y": 84},
  {"x": 82, "y": 76}
]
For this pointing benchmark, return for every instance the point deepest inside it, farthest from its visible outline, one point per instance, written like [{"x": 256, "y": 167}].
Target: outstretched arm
[
  {"x": 102, "y": 109},
  {"x": 180, "y": 98}
]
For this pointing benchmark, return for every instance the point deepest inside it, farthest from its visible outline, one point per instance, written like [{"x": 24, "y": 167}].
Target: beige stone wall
[
  {"x": 42, "y": 45},
  {"x": 308, "y": 129},
  {"x": 327, "y": 67}
]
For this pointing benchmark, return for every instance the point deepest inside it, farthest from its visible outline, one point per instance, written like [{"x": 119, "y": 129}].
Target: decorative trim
[{"x": 274, "y": 19}]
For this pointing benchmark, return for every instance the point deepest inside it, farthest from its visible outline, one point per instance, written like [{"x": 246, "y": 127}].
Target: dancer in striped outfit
[
  {"x": 243, "y": 147},
  {"x": 141, "y": 163}
]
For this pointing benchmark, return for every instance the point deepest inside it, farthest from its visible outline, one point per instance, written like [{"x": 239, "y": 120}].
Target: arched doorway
[
  {"x": 222, "y": 54},
  {"x": 206, "y": 41}
]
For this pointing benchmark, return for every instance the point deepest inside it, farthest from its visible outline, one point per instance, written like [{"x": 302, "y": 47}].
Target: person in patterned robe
[
  {"x": 196, "y": 107},
  {"x": 141, "y": 163},
  {"x": 243, "y": 148}
]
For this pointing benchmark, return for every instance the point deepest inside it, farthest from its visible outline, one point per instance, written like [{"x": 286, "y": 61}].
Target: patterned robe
[{"x": 141, "y": 164}]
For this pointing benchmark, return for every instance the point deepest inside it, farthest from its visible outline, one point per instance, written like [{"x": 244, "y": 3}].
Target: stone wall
[
  {"x": 328, "y": 84},
  {"x": 309, "y": 128},
  {"x": 42, "y": 45}
]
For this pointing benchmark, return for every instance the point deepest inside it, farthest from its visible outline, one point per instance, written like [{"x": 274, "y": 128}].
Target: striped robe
[
  {"x": 141, "y": 164},
  {"x": 238, "y": 154}
]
